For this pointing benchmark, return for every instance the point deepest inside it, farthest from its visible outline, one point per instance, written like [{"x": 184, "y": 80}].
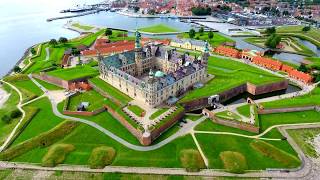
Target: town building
[
  {"x": 196, "y": 45},
  {"x": 154, "y": 73},
  {"x": 227, "y": 51}
]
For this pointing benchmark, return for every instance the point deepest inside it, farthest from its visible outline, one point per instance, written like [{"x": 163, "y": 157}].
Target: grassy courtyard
[
  {"x": 107, "y": 88},
  {"x": 217, "y": 39},
  {"x": 136, "y": 110},
  {"x": 158, "y": 28},
  {"x": 229, "y": 74},
  {"x": 95, "y": 100},
  {"x": 74, "y": 73}
]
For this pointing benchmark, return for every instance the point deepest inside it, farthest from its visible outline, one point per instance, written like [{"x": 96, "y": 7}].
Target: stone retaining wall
[
  {"x": 157, "y": 132},
  {"x": 290, "y": 109},
  {"x": 231, "y": 123},
  {"x": 84, "y": 113},
  {"x": 137, "y": 133},
  {"x": 59, "y": 82},
  {"x": 228, "y": 94}
]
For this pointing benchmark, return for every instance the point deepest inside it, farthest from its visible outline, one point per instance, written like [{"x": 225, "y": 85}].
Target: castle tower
[
  {"x": 205, "y": 55},
  {"x": 138, "y": 54}
]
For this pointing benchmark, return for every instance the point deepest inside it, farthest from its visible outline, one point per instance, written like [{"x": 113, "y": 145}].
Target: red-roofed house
[
  {"x": 286, "y": 68},
  {"x": 267, "y": 63},
  {"x": 301, "y": 76},
  {"x": 226, "y": 51}
]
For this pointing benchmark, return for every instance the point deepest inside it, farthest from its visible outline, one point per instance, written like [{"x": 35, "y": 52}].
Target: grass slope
[
  {"x": 74, "y": 73},
  {"x": 213, "y": 145},
  {"x": 158, "y": 28},
  {"x": 229, "y": 74},
  {"x": 217, "y": 39}
]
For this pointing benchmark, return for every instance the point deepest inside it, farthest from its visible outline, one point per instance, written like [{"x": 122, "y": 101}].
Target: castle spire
[
  {"x": 206, "y": 47},
  {"x": 137, "y": 41}
]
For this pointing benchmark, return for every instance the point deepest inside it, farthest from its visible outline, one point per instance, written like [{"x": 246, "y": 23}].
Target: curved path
[{"x": 19, "y": 106}]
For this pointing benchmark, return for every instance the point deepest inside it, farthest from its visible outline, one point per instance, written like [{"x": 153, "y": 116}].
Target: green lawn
[
  {"x": 269, "y": 120},
  {"x": 86, "y": 138},
  {"x": 74, "y": 73},
  {"x": 229, "y": 74},
  {"x": 213, "y": 145},
  {"x": 304, "y": 138},
  {"x": 208, "y": 125},
  {"x": 9, "y": 105},
  {"x": 83, "y": 27},
  {"x": 49, "y": 86},
  {"x": 136, "y": 110},
  {"x": 228, "y": 115},
  {"x": 43, "y": 121},
  {"x": 158, "y": 28},
  {"x": 110, "y": 90},
  {"x": 315, "y": 62},
  {"x": 158, "y": 113},
  {"x": 28, "y": 89},
  {"x": 217, "y": 39},
  {"x": 287, "y": 41},
  {"x": 56, "y": 53},
  {"x": 96, "y": 101},
  {"x": 313, "y": 35},
  {"x": 244, "y": 110},
  {"x": 313, "y": 98}
]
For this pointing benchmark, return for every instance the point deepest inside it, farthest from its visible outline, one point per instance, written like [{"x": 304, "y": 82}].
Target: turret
[
  {"x": 138, "y": 54},
  {"x": 206, "y": 54}
]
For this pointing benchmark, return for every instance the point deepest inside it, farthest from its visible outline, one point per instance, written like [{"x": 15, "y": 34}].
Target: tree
[
  {"x": 53, "y": 42},
  {"x": 33, "y": 51},
  {"x": 136, "y": 9},
  {"x": 6, "y": 119},
  {"x": 306, "y": 28},
  {"x": 201, "y": 30},
  {"x": 63, "y": 40},
  {"x": 15, "y": 113},
  {"x": 270, "y": 30},
  {"x": 16, "y": 69},
  {"x": 273, "y": 41},
  {"x": 108, "y": 32},
  {"x": 303, "y": 68},
  {"x": 210, "y": 34},
  {"x": 192, "y": 33}
]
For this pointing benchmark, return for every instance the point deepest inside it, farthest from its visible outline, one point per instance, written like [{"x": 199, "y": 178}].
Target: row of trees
[
  {"x": 201, "y": 11},
  {"x": 54, "y": 42},
  {"x": 192, "y": 33}
]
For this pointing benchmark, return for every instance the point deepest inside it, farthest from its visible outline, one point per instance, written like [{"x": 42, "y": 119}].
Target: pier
[{"x": 71, "y": 16}]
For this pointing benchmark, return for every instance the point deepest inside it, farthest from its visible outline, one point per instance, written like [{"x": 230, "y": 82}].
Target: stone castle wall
[
  {"x": 54, "y": 80},
  {"x": 290, "y": 109},
  {"x": 228, "y": 94},
  {"x": 157, "y": 132},
  {"x": 231, "y": 123}
]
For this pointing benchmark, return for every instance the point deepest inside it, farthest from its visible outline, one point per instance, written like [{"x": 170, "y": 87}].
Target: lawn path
[
  {"x": 47, "y": 53},
  {"x": 205, "y": 159},
  {"x": 19, "y": 106}
]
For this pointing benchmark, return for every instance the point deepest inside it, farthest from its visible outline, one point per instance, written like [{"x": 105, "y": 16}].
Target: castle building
[{"x": 153, "y": 73}]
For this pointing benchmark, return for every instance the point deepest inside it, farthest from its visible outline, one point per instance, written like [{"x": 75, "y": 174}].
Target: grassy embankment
[
  {"x": 158, "y": 28},
  {"x": 290, "y": 44},
  {"x": 229, "y": 74},
  {"x": 217, "y": 39}
]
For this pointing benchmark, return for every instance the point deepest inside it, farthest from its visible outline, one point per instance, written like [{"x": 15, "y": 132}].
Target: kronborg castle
[{"x": 154, "y": 73}]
